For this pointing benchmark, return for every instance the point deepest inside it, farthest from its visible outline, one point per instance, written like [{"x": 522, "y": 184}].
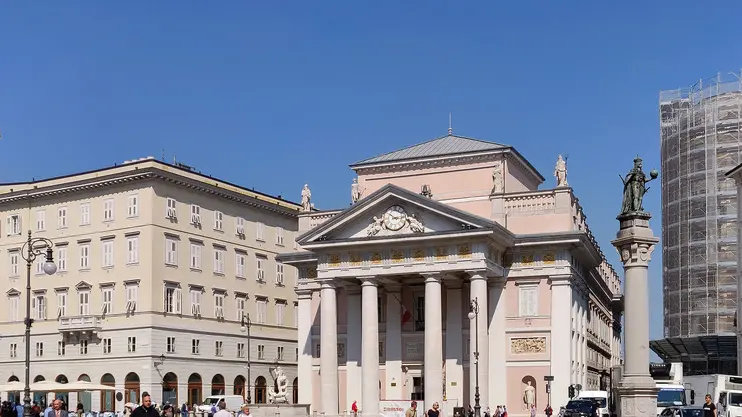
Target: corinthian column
[{"x": 635, "y": 243}]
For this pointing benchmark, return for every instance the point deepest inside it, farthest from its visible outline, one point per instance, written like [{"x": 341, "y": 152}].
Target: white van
[
  {"x": 599, "y": 397},
  {"x": 234, "y": 402}
]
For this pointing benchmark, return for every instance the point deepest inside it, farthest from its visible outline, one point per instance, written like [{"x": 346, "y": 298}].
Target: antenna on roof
[
  {"x": 450, "y": 128},
  {"x": 163, "y": 154}
]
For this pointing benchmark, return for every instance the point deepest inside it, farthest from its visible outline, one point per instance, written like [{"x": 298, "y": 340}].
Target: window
[
  {"x": 62, "y": 259},
  {"x": 40, "y": 220},
  {"x": 195, "y": 346},
  {"x": 83, "y": 303},
  {"x": 106, "y": 346},
  {"x": 61, "y": 348},
  {"x": 108, "y": 210},
  {"x": 261, "y": 261},
  {"x": 39, "y": 264},
  {"x": 171, "y": 251},
  {"x": 14, "y": 306},
  {"x": 279, "y": 274},
  {"x": 279, "y": 236},
  {"x": 84, "y": 214},
  {"x": 218, "y": 221},
  {"x": 107, "y": 253},
  {"x": 280, "y": 308},
  {"x": 107, "y": 305},
  {"x": 240, "y": 307},
  {"x": 39, "y": 349},
  {"x": 259, "y": 231},
  {"x": 219, "y": 306},
  {"x": 261, "y": 351},
  {"x": 61, "y": 304},
  {"x": 14, "y": 350},
  {"x": 170, "y": 345},
  {"x": 240, "y": 262},
  {"x": 262, "y": 310},
  {"x": 172, "y": 301},
  {"x": 196, "y": 302},
  {"x": 219, "y": 348},
  {"x": 240, "y": 226},
  {"x": 38, "y": 307},
  {"x": 195, "y": 215},
  {"x": 132, "y": 250},
  {"x": 218, "y": 261},
  {"x": 131, "y": 343},
  {"x": 83, "y": 347},
  {"x": 170, "y": 212},
  {"x": 279, "y": 353},
  {"x": 132, "y": 294},
  {"x": 132, "y": 208},
  {"x": 62, "y": 217},
  {"x": 240, "y": 350},
  {"x": 528, "y": 301},
  {"x": 14, "y": 224},
  {"x": 14, "y": 259},
  {"x": 85, "y": 256},
  {"x": 196, "y": 256}
]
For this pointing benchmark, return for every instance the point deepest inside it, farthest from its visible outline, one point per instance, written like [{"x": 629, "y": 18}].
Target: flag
[{"x": 406, "y": 315}]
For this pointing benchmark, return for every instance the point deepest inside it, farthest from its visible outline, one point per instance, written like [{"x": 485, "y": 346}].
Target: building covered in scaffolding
[{"x": 701, "y": 140}]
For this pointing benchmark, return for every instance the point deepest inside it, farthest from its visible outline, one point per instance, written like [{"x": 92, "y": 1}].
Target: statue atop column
[
  {"x": 306, "y": 198},
  {"x": 355, "y": 191},
  {"x": 634, "y": 188},
  {"x": 560, "y": 172}
]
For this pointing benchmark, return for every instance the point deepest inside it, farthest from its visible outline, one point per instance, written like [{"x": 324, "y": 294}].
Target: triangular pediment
[
  {"x": 12, "y": 292},
  {"x": 82, "y": 285},
  {"x": 393, "y": 211}
]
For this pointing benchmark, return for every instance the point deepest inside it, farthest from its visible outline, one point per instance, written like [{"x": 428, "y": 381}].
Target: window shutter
[
  {"x": 9, "y": 227},
  {"x": 164, "y": 299},
  {"x": 178, "y": 300}
]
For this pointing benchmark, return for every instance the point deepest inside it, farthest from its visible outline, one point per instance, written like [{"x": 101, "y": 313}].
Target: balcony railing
[{"x": 80, "y": 324}]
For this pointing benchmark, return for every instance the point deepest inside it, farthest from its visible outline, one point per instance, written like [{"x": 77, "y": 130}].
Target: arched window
[
  {"x": 239, "y": 386},
  {"x": 295, "y": 389},
  {"x": 14, "y": 396},
  {"x": 63, "y": 395},
  {"x": 84, "y": 397},
  {"x": 217, "y": 385},
  {"x": 261, "y": 391},
  {"x": 132, "y": 388},
  {"x": 170, "y": 388},
  {"x": 194, "y": 389},
  {"x": 106, "y": 397}
]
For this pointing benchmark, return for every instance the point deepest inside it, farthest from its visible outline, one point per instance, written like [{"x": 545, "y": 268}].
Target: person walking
[
  {"x": 146, "y": 409},
  {"x": 56, "y": 410},
  {"x": 222, "y": 406}
]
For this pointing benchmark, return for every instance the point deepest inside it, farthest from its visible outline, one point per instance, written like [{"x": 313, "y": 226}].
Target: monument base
[{"x": 637, "y": 396}]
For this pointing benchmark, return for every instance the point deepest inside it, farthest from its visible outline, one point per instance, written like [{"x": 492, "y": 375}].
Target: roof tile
[{"x": 446, "y": 145}]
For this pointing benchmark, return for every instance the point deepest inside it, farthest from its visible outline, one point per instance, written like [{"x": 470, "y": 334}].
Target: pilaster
[
  {"x": 563, "y": 346},
  {"x": 498, "y": 388}
]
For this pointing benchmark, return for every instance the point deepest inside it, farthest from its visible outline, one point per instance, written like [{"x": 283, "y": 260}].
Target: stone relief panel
[{"x": 527, "y": 345}]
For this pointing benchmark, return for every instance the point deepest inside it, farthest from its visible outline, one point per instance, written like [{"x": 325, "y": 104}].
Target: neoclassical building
[{"x": 386, "y": 286}]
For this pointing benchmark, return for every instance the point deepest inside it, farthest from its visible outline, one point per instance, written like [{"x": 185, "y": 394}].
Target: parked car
[
  {"x": 683, "y": 411},
  {"x": 581, "y": 408}
]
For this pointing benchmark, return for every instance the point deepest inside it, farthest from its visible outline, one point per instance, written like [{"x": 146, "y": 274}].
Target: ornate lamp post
[
  {"x": 33, "y": 248},
  {"x": 245, "y": 327},
  {"x": 474, "y": 315}
]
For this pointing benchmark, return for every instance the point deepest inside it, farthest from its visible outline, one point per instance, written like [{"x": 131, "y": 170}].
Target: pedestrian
[
  {"x": 412, "y": 411},
  {"x": 548, "y": 411},
  {"x": 244, "y": 411},
  {"x": 146, "y": 409},
  {"x": 222, "y": 406},
  {"x": 354, "y": 408},
  {"x": 434, "y": 411}
]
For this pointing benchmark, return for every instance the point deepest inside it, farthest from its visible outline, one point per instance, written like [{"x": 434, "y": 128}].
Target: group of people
[
  {"x": 56, "y": 409},
  {"x": 148, "y": 409}
]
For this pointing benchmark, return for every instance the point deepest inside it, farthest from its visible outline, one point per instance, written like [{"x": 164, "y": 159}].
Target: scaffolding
[{"x": 701, "y": 140}]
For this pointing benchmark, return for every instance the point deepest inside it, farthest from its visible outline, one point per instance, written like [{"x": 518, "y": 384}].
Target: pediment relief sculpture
[{"x": 395, "y": 219}]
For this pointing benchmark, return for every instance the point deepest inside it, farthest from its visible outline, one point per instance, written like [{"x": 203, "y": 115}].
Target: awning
[{"x": 698, "y": 348}]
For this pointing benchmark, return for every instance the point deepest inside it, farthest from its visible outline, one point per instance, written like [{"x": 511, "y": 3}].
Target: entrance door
[{"x": 417, "y": 389}]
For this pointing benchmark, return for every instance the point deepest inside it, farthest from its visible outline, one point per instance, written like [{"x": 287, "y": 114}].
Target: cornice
[
  {"x": 144, "y": 174},
  {"x": 434, "y": 162}
]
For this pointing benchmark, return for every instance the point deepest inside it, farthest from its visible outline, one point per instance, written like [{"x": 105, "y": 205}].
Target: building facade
[
  {"x": 386, "y": 286},
  {"x": 158, "y": 268},
  {"x": 701, "y": 139}
]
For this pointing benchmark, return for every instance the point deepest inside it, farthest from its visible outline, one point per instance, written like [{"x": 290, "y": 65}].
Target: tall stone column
[
  {"x": 370, "y": 362},
  {"x": 328, "y": 364},
  {"x": 433, "y": 377},
  {"x": 305, "y": 347},
  {"x": 353, "y": 350},
  {"x": 635, "y": 243},
  {"x": 393, "y": 347},
  {"x": 479, "y": 339},
  {"x": 562, "y": 340}
]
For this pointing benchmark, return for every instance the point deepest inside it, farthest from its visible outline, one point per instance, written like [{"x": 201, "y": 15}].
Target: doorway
[{"x": 418, "y": 393}]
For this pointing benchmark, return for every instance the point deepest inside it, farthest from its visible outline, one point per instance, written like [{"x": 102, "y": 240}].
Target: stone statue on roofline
[
  {"x": 306, "y": 198},
  {"x": 635, "y": 187},
  {"x": 560, "y": 172}
]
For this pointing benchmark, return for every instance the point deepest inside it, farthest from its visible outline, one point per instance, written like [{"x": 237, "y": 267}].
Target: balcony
[{"x": 80, "y": 324}]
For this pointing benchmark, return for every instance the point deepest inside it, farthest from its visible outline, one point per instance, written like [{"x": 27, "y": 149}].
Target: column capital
[
  {"x": 329, "y": 284},
  {"x": 477, "y": 273},
  {"x": 304, "y": 293},
  {"x": 559, "y": 280},
  {"x": 635, "y": 253},
  {"x": 370, "y": 281},
  {"x": 432, "y": 276}
]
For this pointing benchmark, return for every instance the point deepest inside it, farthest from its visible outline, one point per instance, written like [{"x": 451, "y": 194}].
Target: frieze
[
  {"x": 418, "y": 254},
  {"x": 527, "y": 345},
  {"x": 398, "y": 256}
]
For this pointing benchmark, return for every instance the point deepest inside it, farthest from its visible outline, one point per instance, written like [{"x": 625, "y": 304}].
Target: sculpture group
[{"x": 278, "y": 393}]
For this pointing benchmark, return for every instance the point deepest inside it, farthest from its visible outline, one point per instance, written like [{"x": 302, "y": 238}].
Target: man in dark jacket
[{"x": 146, "y": 409}]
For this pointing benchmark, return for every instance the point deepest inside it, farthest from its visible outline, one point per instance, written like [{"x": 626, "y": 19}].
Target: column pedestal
[{"x": 635, "y": 243}]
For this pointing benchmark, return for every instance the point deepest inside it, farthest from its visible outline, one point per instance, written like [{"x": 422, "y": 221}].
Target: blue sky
[{"x": 276, "y": 94}]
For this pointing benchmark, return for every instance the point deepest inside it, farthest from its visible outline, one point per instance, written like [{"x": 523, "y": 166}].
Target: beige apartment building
[{"x": 157, "y": 266}]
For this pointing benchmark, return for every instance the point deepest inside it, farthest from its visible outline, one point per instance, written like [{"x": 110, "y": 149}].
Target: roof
[
  {"x": 446, "y": 145},
  {"x": 680, "y": 349}
]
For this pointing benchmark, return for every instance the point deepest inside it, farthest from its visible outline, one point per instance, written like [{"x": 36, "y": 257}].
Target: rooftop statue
[{"x": 634, "y": 188}]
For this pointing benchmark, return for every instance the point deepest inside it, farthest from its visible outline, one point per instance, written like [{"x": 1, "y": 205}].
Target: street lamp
[
  {"x": 33, "y": 248},
  {"x": 245, "y": 324},
  {"x": 474, "y": 315}
]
